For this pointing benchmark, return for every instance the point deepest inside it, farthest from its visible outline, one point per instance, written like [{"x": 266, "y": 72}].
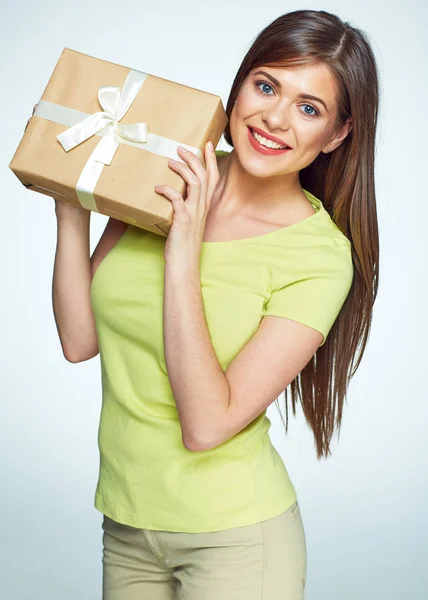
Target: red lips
[
  {"x": 264, "y": 149},
  {"x": 269, "y": 137}
]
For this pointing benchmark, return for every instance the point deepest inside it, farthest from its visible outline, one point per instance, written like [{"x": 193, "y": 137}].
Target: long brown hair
[{"x": 344, "y": 181}]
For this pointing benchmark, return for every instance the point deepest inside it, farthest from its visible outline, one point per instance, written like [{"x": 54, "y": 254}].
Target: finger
[
  {"x": 34, "y": 110},
  {"x": 188, "y": 175},
  {"x": 193, "y": 162},
  {"x": 175, "y": 197},
  {"x": 196, "y": 188}
]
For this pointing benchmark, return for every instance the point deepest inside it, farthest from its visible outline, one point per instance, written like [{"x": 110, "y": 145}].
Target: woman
[{"x": 267, "y": 279}]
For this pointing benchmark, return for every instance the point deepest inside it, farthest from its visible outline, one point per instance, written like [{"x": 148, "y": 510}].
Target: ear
[{"x": 340, "y": 135}]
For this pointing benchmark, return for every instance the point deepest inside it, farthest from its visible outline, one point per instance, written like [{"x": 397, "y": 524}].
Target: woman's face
[{"x": 295, "y": 104}]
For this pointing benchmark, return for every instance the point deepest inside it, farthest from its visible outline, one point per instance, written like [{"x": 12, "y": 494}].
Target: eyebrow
[{"x": 303, "y": 96}]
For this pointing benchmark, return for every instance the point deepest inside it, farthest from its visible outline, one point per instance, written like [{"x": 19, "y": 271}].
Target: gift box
[{"x": 102, "y": 135}]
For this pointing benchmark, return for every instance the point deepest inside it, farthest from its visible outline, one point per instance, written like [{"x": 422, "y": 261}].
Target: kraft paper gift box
[{"x": 102, "y": 135}]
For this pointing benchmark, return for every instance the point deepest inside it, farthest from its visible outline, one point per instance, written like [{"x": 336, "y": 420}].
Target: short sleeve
[{"x": 315, "y": 295}]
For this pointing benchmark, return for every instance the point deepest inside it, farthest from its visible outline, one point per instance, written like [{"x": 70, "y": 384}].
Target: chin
[{"x": 260, "y": 166}]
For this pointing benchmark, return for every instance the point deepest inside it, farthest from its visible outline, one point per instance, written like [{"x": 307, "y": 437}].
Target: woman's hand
[
  {"x": 62, "y": 205},
  {"x": 183, "y": 244},
  {"x": 34, "y": 110}
]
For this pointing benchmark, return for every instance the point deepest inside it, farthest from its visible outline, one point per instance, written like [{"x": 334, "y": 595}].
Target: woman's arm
[
  {"x": 200, "y": 387},
  {"x": 73, "y": 272},
  {"x": 71, "y": 283}
]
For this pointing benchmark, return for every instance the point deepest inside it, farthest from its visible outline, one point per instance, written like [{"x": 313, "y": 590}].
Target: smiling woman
[
  {"x": 198, "y": 336},
  {"x": 310, "y": 82}
]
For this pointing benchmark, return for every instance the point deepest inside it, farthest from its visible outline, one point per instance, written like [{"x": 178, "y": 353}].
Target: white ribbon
[{"x": 115, "y": 102}]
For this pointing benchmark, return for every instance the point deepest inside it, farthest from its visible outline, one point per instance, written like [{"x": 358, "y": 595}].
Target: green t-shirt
[{"x": 147, "y": 478}]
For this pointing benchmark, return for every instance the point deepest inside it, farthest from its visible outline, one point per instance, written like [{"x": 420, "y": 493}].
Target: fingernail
[{"x": 210, "y": 146}]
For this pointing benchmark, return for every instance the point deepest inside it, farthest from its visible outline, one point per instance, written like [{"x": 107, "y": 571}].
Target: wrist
[
  {"x": 73, "y": 221},
  {"x": 180, "y": 271},
  {"x": 67, "y": 210}
]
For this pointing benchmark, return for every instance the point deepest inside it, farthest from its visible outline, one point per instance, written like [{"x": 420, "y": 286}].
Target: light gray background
[{"x": 364, "y": 509}]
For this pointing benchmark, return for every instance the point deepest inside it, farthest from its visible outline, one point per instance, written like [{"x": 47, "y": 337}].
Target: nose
[{"x": 277, "y": 118}]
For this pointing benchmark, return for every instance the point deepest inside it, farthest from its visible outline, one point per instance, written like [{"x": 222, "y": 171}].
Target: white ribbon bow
[{"x": 116, "y": 102}]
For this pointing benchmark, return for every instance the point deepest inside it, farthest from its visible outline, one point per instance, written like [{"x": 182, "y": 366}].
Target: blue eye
[
  {"x": 265, "y": 84},
  {"x": 310, "y": 114}
]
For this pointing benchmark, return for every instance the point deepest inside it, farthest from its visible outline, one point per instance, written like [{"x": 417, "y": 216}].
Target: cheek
[
  {"x": 245, "y": 107},
  {"x": 241, "y": 113},
  {"x": 312, "y": 135},
  {"x": 247, "y": 104}
]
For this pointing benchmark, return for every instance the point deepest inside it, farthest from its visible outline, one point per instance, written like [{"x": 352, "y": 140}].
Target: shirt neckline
[{"x": 316, "y": 203}]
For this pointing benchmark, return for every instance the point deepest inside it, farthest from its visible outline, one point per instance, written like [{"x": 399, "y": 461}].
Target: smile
[{"x": 265, "y": 146}]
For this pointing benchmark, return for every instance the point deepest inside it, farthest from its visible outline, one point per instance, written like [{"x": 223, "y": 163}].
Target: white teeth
[{"x": 264, "y": 142}]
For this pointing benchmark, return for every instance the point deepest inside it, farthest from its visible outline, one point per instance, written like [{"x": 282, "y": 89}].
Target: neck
[{"x": 238, "y": 192}]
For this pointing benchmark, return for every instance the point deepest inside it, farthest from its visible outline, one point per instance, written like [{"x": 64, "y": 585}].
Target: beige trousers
[{"x": 263, "y": 561}]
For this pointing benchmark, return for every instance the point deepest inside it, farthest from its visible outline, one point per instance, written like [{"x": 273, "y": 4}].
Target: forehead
[{"x": 311, "y": 78}]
